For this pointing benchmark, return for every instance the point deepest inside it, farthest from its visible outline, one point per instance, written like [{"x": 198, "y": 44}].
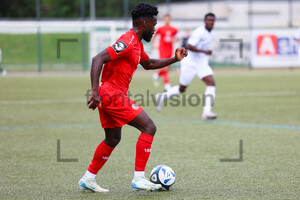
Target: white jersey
[{"x": 202, "y": 39}]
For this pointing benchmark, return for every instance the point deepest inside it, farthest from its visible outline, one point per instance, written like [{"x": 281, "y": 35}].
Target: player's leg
[
  {"x": 205, "y": 73},
  {"x": 143, "y": 148},
  {"x": 3, "y": 71},
  {"x": 105, "y": 148},
  {"x": 160, "y": 72},
  {"x": 165, "y": 76},
  {"x": 187, "y": 74},
  {"x": 156, "y": 79},
  {"x": 166, "y": 79},
  {"x": 209, "y": 98},
  {"x": 101, "y": 155},
  {"x": 164, "y": 72}
]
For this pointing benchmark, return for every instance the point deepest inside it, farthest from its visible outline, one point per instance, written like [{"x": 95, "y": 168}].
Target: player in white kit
[{"x": 196, "y": 64}]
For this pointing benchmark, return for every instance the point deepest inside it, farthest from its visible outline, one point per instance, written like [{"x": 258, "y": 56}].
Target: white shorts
[{"x": 189, "y": 70}]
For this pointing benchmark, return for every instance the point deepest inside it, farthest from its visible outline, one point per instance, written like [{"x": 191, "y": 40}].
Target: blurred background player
[
  {"x": 185, "y": 38},
  {"x": 297, "y": 38},
  {"x": 197, "y": 63},
  {"x": 115, "y": 109},
  {"x": 167, "y": 38},
  {"x": 1, "y": 69}
]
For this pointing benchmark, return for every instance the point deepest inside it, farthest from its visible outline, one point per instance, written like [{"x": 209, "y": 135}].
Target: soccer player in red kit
[
  {"x": 167, "y": 37},
  {"x": 115, "y": 108}
]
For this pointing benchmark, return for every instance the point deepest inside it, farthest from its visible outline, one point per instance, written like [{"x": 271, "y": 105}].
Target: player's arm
[
  {"x": 97, "y": 65},
  {"x": 149, "y": 64},
  {"x": 297, "y": 40},
  {"x": 195, "y": 49}
]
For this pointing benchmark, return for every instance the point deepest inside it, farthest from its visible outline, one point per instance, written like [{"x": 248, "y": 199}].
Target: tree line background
[{"x": 11, "y": 9}]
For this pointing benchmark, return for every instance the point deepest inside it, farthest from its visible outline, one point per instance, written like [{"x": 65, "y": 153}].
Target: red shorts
[
  {"x": 165, "y": 53},
  {"x": 116, "y": 108}
]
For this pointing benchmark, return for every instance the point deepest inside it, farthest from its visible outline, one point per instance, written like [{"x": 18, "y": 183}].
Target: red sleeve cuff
[{"x": 144, "y": 58}]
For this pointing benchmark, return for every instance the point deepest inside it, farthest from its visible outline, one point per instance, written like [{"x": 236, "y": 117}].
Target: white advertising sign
[{"x": 274, "y": 48}]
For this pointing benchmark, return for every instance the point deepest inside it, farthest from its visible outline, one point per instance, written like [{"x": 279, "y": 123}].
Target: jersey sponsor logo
[
  {"x": 119, "y": 46},
  {"x": 135, "y": 106},
  {"x": 168, "y": 37},
  {"x": 272, "y": 45}
]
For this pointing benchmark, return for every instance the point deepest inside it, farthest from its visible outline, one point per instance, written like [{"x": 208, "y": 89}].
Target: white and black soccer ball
[{"x": 163, "y": 175}]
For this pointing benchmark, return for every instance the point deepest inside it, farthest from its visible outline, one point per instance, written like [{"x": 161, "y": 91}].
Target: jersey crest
[{"x": 119, "y": 46}]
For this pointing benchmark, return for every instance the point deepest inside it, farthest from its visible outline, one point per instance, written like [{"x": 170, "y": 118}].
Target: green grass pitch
[{"x": 261, "y": 108}]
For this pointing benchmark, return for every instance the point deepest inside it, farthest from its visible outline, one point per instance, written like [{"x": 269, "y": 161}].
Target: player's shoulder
[
  {"x": 128, "y": 38},
  {"x": 159, "y": 28},
  {"x": 198, "y": 31},
  {"x": 125, "y": 42},
  {"x": 174, "y": 28}
]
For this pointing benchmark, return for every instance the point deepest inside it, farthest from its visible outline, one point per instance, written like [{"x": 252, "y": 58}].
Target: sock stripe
[{"x": 146, "y": 137}]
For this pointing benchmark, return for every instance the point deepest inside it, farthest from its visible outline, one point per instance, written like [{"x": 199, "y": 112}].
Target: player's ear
[{"x": 145, "y": 23}]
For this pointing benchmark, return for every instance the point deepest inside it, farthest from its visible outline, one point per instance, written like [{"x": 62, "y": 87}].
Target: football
[{"x": 163, "y": 175}]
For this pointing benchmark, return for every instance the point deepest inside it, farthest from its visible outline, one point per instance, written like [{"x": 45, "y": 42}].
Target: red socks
[
  {"x": 143, "y": 149},
  {"x": 101, "y": 155},
  {"x": 164, "y": 74},
  {"x": 103, "y": 151}
]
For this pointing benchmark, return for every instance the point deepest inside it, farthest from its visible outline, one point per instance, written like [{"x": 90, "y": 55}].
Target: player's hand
[
  {"x": 208, "y": 52},
  {"x": 180, "y": 53},
  {"x": 94, "y": 100}
]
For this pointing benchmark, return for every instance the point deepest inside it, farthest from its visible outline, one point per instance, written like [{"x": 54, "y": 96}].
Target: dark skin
[
  {"x": 142, "y": 122},
  {"x": 208, "y": 80}
]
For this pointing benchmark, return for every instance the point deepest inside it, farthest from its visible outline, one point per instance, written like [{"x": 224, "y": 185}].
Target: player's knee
[
  {"x": 182, "y": 89},
  {"x": 112, "y": 142},
  {"x": 211, "y": 82},
  {"x": 151, "y": 128},
  {"x": 116, "y": 141}
]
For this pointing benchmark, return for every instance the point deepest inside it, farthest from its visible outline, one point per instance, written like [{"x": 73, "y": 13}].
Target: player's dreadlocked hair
[{"x": 143, "y": 10}]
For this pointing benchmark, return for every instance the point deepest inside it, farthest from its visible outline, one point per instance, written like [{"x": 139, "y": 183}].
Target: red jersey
[
  {"x": 125, "y": 56},
  {"x": 167, "y": 34}
]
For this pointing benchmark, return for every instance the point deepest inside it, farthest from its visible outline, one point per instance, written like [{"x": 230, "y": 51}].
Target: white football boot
[
  {"x": 159, "y": 101},
  {"x": 86, "y": 183},
  {"x": 142, "y": 183},
  {"x": 209, "y": 116},
  {"x": 155, "y": 80}
]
